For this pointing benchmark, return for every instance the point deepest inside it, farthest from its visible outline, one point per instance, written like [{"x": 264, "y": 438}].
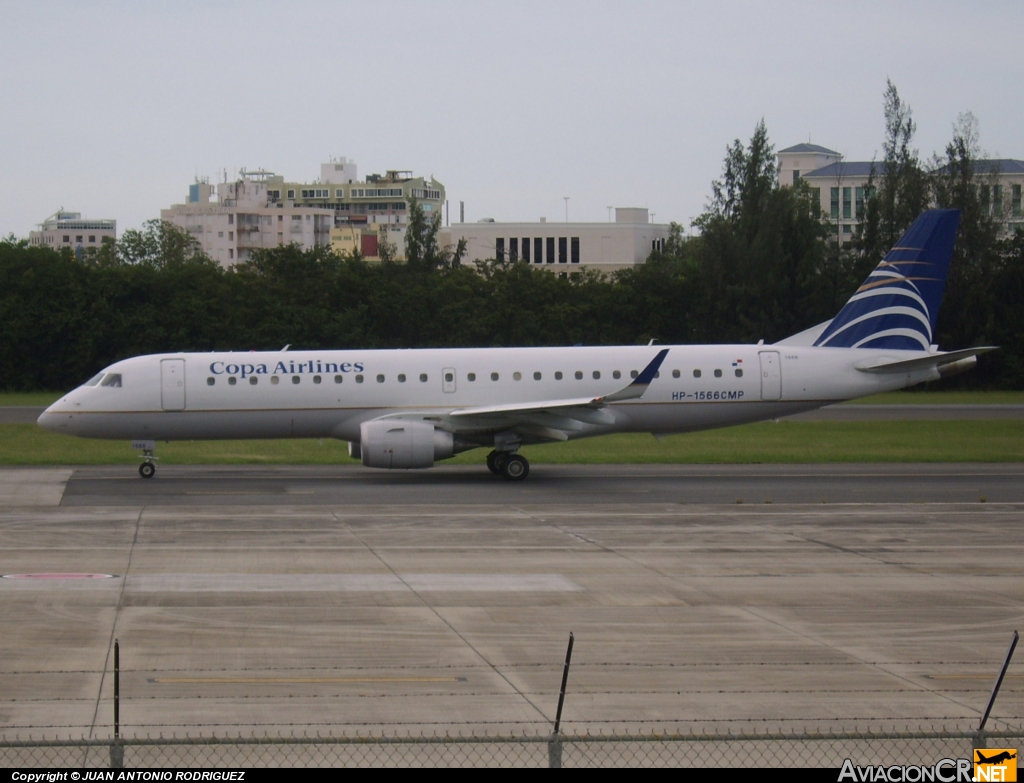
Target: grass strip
[{"x": 765, "y": 442}]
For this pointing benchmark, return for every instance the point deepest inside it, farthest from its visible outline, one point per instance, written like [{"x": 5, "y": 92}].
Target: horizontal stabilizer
[{"x": 935, "y": 360}]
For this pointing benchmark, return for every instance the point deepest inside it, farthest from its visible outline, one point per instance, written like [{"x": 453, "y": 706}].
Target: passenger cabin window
[
  {"x": 494, "y": 376},
  {"x": 210, "y": 381},
  {"x": 253, "y": 380},
  {"x": 517, "y": 376},
  {"x": 359, "y": 379},
  {"x": 401, "y": 377},
  {"x": 423, "y": 377},
  {"x": 380, "y": 379},
  {"x": 633, "y": 373},
  {"x": 337, "y": 379},
  {"x": 232, "y": 380},
  {"x": 296, "y": 379},
  {"x": 448, "y": 377},
  {"x": 739, "y": 373},
  {"x": 471, "y": 376},
  {"x": 616, "y": 374},
  {"x": 696, "y": 373},
  {"x": 675, "y": 373},
  {"x": 274, "y": 380},
  {"x": 317, "y": 379},
  {"x": 536, "y": 376},
  {"x": 718, "y": 373},
  {"x": 597, "y": 375},
  {"x": 558, "y": 375},
  {"x": 579, "y": 375},
  {"x": 112, "y": 379}
]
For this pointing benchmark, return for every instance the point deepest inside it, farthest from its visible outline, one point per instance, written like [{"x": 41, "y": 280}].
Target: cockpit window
[
  {"x": 112, "y": 379},
  {"x": 94, "y": 380}
]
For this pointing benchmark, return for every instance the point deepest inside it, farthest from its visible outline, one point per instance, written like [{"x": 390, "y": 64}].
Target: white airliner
[{"x": 410, "y": 408}]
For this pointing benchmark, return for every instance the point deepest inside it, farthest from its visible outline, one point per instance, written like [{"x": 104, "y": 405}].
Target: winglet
[{"x": 639, "y": 384}]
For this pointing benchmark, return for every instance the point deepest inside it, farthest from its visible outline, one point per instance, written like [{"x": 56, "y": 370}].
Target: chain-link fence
[{"x": 807, "y": 748}]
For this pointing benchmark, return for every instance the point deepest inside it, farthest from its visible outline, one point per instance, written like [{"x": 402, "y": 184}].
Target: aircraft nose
[{"x": 53, "y": 420}]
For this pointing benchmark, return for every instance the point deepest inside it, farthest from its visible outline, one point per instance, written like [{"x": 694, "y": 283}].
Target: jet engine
[{"x": 403, "y": 444}]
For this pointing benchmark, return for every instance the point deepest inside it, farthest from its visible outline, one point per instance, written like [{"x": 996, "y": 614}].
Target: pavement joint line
[
  {"x": 113, "y": 625},
  {"x": 448, "y": 624},
  {"x": 882, "y": 667},
  {"x": 298, "y": 680}
]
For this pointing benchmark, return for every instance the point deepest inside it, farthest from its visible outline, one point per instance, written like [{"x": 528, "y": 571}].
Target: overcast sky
[{"x": 112, "y": 108}]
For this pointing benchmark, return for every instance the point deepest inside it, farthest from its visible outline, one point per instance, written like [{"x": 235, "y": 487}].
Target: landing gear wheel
[
  {"x": 492, "y": 462},
  {"x": 147, "y": 469},
  {"x": 516, "y": 468},
  {"x": 496, "y": 462}
]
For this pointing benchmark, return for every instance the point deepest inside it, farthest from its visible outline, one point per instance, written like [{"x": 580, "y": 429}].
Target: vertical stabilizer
[{"x": 898, "y": 305}]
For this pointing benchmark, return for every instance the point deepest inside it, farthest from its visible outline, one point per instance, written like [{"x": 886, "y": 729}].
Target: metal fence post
[
  {"x": 116, "y": 748},
  {"x": 979, "y": 737},
  {"x": 555, "y": 743},
  {"x": 555, "y": 752}
]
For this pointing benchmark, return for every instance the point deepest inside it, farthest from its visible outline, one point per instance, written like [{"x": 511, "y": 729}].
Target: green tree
[
  {"x": 898, "y": 190},
  {"x": 159, "y": 244}
]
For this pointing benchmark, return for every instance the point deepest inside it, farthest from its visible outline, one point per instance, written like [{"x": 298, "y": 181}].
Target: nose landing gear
[{"x": 148, "y": 467}]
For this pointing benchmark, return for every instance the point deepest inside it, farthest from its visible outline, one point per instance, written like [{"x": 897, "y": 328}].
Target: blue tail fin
[{"x": 898, "y": 305}]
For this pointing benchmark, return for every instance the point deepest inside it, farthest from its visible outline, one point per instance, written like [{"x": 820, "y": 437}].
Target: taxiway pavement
[{"x": 415, "y": 602}]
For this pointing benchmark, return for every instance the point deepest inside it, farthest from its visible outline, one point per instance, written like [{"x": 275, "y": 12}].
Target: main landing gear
[
  {"x": 148, "y": 467},
  {"x": 512, "y": 466}
]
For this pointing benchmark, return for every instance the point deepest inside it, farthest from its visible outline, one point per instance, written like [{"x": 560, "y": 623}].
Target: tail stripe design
[{"x": 897, "y": 306}]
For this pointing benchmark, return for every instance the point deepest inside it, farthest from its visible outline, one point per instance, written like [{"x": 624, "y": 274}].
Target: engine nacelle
[{"x": 397, "y": 443}]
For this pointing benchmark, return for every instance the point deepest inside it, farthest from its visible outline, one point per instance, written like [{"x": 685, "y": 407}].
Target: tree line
[{"x": 764, "y": 265}]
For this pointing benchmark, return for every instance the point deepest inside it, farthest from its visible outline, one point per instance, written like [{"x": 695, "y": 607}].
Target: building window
[
  {"x": 526, "y": 249},
  {"x": 997, "y": 200},
  {"x": 538, "y": 250},
  {"x": 67, "y": 238},
  {"x": 574, "y": 246},
  {"x": 551, "y": 250},
  {"x": 834, "y": 206},
  {"x": 513, "y": 249},
  {"x": 499, "y": 249},
  {"x": 1016, "y": 200},
  {"x": 984, "y": 198},
  {"x": 231, "y": 220},
  {"x": 92, "y": 238},
  {"x": 563, "y": 250},
  {"x": 847, "y": 203},
  {"x": 291, "y": 194},
  {"x": 231, "y": 253},
  {"x": 858, "y": 194},
  {"x": 796, "y": 176},
  {"x": 78, "y": 238}
]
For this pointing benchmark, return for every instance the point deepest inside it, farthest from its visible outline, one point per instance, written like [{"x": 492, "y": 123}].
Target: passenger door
[
  {"x": 172, "y": 384},
  {"x": 771, "y": 375}
]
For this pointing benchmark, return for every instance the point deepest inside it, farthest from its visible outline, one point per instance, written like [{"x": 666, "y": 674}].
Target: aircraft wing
[
  {"x": 550, "y": 420},
  {"x": 633, "y": 391}
]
